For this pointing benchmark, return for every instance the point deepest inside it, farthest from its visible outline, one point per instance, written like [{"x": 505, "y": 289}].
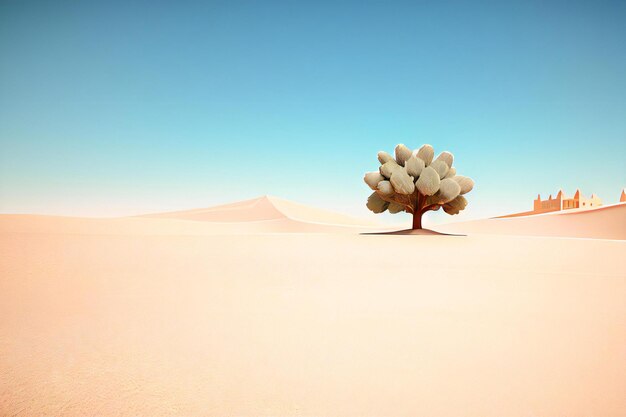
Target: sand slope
[
  {"x": 260, "y": 215},
  {"x": 264, "y": 208},
  {"x": 607, "y": 222},
  {"x": 24, "y": 223}
]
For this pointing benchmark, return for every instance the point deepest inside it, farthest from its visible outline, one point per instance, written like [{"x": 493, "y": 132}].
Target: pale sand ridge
[
  {"x": 606, "y": 222},
  {"x": 264, "y": 208},
  {"x": 260, "y": 215}
]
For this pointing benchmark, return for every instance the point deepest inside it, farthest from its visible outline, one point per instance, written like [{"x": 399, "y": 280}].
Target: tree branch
[{"x": 430, "y": 207}]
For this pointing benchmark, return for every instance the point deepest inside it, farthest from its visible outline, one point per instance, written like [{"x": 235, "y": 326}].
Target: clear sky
[{"x": 126, "y": 107}]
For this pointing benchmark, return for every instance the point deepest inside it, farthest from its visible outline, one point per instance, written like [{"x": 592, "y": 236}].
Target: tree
[{"x": 415, "y": 183}]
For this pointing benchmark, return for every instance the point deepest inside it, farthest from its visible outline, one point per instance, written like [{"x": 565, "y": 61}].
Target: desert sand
[
  {"x": 254, "y": 310},
  {"x": 605, "y": 222}
]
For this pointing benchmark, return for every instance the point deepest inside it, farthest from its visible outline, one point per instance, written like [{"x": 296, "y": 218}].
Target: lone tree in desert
[{"x": 415, "y": 183}]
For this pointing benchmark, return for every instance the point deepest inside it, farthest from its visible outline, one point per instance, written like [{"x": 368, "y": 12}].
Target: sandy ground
[
  {"x": 136, "y": 318},
  {"x": 606, "y": 222}
]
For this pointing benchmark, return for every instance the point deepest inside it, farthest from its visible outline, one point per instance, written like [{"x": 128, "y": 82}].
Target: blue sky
[{"x": 128, "y": 107}]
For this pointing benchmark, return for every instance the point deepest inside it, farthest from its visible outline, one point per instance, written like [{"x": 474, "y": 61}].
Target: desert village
[{"x": 562, "y": 202}]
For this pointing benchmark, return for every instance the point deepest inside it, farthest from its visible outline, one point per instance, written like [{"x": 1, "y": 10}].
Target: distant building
[
  {"x": 561, "y": 202},
  {"x": 622, "y": 198}
]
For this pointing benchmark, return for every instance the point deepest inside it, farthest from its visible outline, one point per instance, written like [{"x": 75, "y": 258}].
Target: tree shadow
[{"x": 413, "y": 232}]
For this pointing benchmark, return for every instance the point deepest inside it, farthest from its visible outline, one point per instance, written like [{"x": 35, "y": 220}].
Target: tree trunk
[{"x": 417, "y": 219}]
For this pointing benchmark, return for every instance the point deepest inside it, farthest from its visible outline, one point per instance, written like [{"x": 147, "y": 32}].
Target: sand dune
[
  {"x": 260, "y": 215},
  {"x": 607, "y": 222},
  {"x": 264, "y": 208},
  {"x": 218, "y": 312},
  {"x": 19, "y": 223}
]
